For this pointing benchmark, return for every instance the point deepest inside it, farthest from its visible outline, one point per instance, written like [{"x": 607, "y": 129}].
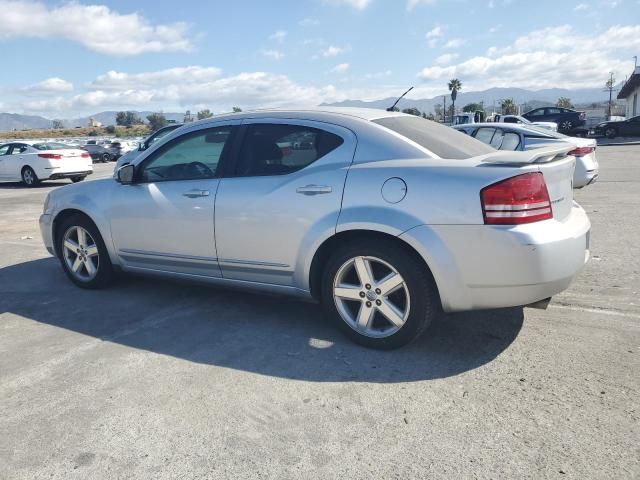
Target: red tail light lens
[
  {"x": 516, "y": 200},
  {"x": 84, "y": 155},
  {"x": 577, "y": 152},
  {"x": 51, "y": 156}
]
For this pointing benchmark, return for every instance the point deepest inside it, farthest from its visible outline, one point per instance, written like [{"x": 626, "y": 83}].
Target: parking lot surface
[{"x": 158, "y": 379}]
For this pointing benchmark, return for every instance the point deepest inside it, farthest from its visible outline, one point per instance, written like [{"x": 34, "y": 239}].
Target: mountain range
[{"x": 490, "y": 97}]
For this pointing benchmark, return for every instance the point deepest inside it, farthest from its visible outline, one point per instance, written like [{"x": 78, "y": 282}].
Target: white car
[
  {"x": 553, "y": 126},
  {"x": 503, "y": 136},
  {"x": 33, "y": 163}
]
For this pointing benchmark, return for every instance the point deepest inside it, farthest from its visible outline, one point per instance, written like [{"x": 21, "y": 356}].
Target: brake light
[
  {"x": 516, "y": 200},
  {"x": 51, "y": 156},
  {"x": 577, "y": 152},
  {"x": 84, "y": 155}
]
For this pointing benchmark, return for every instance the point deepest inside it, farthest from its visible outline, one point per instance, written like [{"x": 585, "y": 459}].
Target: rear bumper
[
  {"x": 63, "y": 174},
  {"x": 480, "y": 266}
]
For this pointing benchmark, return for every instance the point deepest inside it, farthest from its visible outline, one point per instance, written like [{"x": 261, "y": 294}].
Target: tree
[
  {"x": 56, "y": 124},
  {"x": 127, "y": 119},
  {"x": 237, "y": 109},
  {"x": 509, "y": 107},
  {"x": 412, "y": 111},
  {"x": 472, "y": 107},
  {"x": 437, "y": 110},
  {"x": 206, "y": 113},
  {"x": 111, "y": 129},
  {"x": 564, "y": 102},
  {"x": 156, "y": 121},
  {"x": 455, "y": 86}
]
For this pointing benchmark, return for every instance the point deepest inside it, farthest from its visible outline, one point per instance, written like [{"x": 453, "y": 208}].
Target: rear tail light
[
  {"x": 516, "y": 200},
  {"x": 577, "y": 152},
  {"x": 85, "y": 155},
  {"x": 51, "y": 156}
]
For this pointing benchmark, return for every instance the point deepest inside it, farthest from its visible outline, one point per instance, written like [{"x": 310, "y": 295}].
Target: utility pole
[
  {"x": 609, "y": 87},
  {"x": 444, "y": 109}
]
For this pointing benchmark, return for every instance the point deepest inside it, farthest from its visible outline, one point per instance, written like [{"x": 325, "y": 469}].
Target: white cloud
[
  {"x": 97, "y": 27},
  {"x": 278, "y": 36},
  {"x": 308, "y": 22},
  {"x": 411, "y": 4},
  {"x": 113, "y": 80},
  {"x": 454, "y": 43},
  {"x": 377, "y": 75},
  {"x": 50, "y": 85},
  {"x": 275, "y": 54},
  {"x": 446, "y": 59},
  {"x": 340, "y": 68},
  {"x": 332, "y": 51},
  {"x": 435, "y": 32},
  {"x": 552, "y": 57},
  {"x": 357, "y": 4},
  {"x": 581, "y": 6}
]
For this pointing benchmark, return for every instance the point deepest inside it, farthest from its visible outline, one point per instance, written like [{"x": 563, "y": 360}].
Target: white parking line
[{"x": 615, "y": 313}]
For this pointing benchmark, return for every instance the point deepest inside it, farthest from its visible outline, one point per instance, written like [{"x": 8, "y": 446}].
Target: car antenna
[{"x": 390, "y": 109}]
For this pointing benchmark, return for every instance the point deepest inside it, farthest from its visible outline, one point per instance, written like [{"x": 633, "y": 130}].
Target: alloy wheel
[
  {"x": 371, "y": 296},
  {"x": 80, "y": 253},
  {"x": 28, "y": 176}
]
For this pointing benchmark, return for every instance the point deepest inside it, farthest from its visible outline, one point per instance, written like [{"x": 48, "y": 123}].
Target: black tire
[
  {"x": 566, "y": 126},
  {"x": 611, "y": 132},
  {"x": 424, "y": 303},
  {"x": 105, "y": 273},
  {"x": 29, "y": 177},
  {"x": 78, "y": 178},
  {"x": 105, "y": 158}
]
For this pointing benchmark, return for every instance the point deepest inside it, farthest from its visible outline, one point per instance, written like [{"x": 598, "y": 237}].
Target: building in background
[{"x": 630, "y": 92}]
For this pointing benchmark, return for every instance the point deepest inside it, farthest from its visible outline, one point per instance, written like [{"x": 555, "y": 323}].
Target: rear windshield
[
  {"x": 50, "y": 146},
  {"x": 442, "y": 140}
]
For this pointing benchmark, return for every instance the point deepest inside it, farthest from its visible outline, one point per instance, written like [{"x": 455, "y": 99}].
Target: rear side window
[
  {"x": 442, "y": 140},
  {"x": 275, "y": 149},
  {"x": 4, "y": 149},
  {"x": 485, "y": 135}
]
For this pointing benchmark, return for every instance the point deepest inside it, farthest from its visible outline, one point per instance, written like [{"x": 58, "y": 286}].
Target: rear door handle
[
  {"x": 314, "y": 189},
  {"x": 195, "y": 193}
]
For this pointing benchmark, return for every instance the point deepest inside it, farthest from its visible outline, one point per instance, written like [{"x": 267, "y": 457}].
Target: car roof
[{"x": 511, "y": 126}]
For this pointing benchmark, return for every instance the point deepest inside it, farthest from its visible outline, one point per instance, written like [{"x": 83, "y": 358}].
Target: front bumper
[
  {"x": 480, "y": 266},
  {"x": 46, "y": 230}
]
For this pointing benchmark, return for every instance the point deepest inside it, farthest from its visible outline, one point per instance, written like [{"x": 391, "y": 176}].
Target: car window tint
[
  {"x": 440, "y": 139},
  {"x": 496, "y": 140},
  {"x": 536, "y": 113},
  {"x": 510, "y": 141},
  {"x": 275, "y": 149},
  {"x": 18, "y": 148},
  {"x": 4, "y": 149},
  {"x": 193, "y": 155},
  {"x": 553, "y": 111},
  {"x": 485, "y": 135}
]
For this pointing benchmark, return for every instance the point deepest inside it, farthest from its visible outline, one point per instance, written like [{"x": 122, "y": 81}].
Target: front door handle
[
  {"x": 314, "y": 189},
  {"x": 195, "y": 193}
]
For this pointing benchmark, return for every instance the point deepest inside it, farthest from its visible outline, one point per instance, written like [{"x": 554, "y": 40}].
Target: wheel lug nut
[
  {"x": 368, "y": 304},
  {"x": 362, "y": 294},
  {"x": 367, "y": 286},
  {"x": 378, "y": 291},
  {"x": 378, "y": 302}
]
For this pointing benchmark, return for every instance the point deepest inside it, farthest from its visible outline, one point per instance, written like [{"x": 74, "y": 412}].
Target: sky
[{"x": 66, "y": 59}]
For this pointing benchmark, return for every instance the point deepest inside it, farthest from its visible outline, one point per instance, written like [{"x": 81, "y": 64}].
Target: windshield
[
  {"x": 545, "y": 131},
  {"x": 444, "y": 141},
  {"x": 50, "y": 146}
]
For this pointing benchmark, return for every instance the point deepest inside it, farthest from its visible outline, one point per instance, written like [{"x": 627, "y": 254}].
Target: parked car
[
  {"x": 33, "y": 163},
  {"x": 379, "y": 234},
  {"x": 566, "y": 118},
  {"x": 98, "y": 153},
  {"x": 526, "y": 137},
  {"x": 553, "y": 126},
  {"x": 129, "y": 156},
  {"x": 469, "y": 117},
  {"x": 621, "y": 128}
]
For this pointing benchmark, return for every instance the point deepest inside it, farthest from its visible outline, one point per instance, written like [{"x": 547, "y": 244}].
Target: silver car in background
[
  {"x": 505, "y": 136},
  {"x": 386, "y": 219}
]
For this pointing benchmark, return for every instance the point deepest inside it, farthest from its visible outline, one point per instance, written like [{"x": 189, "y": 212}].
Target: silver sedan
[{"x": 386, "y": 219}]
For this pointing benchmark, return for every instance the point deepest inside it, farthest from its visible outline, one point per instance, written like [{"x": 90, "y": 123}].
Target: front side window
[
  {"x": 278, "y": 149},
  {"x": 536, "y": 113},
  {"x": 4, "y": 149},
  {"x": 195, "y": 155}
]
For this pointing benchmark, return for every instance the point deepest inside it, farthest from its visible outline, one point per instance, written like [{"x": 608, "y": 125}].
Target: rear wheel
[
  {"x": 611, "y": 132},
  {"x": 106, "y": 157},
  {"x": 83, "y": 254},
  {"x": 566, "y": 125},
  {"x": 29, "y": 177},
  {"x": 78, "y": 178},
  {"x": 378, "y": 294}
]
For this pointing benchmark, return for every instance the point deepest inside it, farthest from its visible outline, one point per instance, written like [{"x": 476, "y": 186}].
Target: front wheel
[
  {"x": 378, "y": 294},
  {"x": 78, "y": 179},
  {"x": 83, "y": 254},
  {"x": 106, "y": 158},
  {"x": 29, "y": 177}
]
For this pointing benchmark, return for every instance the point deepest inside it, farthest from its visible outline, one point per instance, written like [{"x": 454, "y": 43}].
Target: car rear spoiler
[{"x": 540, "y": 155}]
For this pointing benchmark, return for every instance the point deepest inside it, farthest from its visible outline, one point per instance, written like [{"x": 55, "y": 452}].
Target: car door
[
  {"x": 164, "y": 220},
  {"x": 631, "y": 127},
  {"x": 15, "y": 161},
  {"x": 284, "y": 191},
  {"x": 4, "y": 164}
]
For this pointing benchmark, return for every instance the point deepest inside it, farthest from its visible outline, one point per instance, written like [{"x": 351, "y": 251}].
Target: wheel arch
[
  {"x": 60, "y": 217},
  {"x": 323, "y": 252}
]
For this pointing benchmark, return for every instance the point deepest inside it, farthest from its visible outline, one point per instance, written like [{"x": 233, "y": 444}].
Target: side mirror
[{"x": 125, "y": 174}]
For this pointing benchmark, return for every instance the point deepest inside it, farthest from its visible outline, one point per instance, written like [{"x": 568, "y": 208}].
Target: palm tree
[
  {"x": 509, "y": 107},
  {"x": 455, "y": 86}
]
